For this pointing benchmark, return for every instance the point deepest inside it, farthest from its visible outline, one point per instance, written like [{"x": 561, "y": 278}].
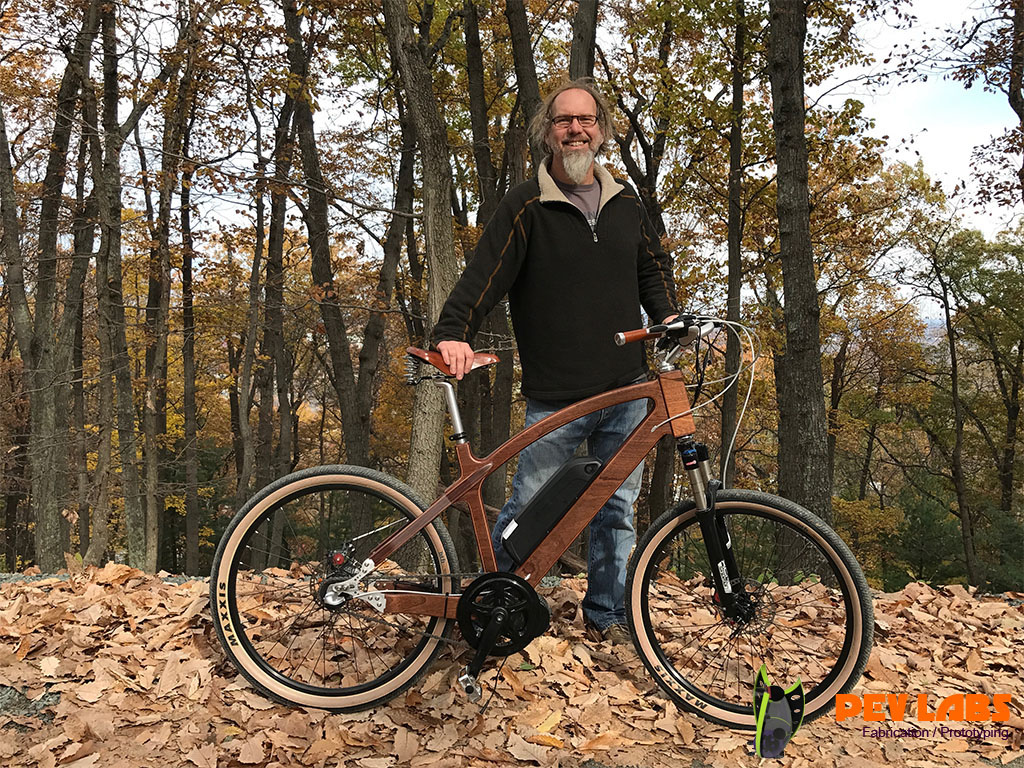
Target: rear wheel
[
  {"x": 276, "y": 615},
  {"x": 810, "y": 614}
]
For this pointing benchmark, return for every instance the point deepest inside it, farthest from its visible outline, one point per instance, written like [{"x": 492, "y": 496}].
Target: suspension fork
[{"x": 717, "y": 541}]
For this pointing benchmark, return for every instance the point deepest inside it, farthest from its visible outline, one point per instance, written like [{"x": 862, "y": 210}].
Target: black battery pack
[{"x": 543, "y": 512}]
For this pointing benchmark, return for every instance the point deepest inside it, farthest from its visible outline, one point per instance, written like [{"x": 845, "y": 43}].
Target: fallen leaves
[
  {"x": 139, "y": 679},
  {"x": 203, "y": 757},
  {"x": 524, "y": 751},
  {"x": 252, "y": 752},
  {"x": 407, "y": 745},
  {"x": 602, "y": 742}
]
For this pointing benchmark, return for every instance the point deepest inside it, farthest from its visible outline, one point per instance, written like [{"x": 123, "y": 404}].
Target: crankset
[
  {"x": 506, "y": 600},
  {"x": 499, "y": 614}
]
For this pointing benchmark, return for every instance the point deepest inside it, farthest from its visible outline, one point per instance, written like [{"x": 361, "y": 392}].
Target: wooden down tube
[{"x": 668, "y": 393}]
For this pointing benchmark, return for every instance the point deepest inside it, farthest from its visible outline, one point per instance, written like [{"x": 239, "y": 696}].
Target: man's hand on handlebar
[
  {"x": 457, "y": 355},
  {"x": 674, "y": 329}
]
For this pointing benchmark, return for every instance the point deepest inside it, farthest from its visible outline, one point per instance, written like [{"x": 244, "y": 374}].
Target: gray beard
[{"x": 577, "y": 164}]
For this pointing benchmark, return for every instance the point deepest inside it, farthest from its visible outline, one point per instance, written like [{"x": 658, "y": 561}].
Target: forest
[{"x": 222, "y": 223}]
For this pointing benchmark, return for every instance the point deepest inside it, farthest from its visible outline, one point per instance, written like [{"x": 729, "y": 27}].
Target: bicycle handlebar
[
  {"x": 686, "y": 329},
  {"x": 627, "y": 337}
]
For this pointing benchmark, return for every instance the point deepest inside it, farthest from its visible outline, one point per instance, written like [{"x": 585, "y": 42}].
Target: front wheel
[
  {"x": 812, "y": 617},
  {"x": 276, "y": 615}
]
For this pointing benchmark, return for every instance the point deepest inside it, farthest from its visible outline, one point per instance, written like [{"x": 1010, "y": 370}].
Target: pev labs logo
[
  {"x": 971, "y": 707},
  {"x": 779, "y": 714}
]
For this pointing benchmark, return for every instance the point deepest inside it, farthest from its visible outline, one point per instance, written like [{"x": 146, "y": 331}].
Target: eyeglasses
[{"x": 564, "y": 121}]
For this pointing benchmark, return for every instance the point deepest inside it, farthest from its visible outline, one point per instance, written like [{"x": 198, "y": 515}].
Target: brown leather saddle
[{"x": 480, "y": 359}]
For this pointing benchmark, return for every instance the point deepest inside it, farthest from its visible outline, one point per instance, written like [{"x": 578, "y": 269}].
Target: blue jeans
[{"x": 611, "y": 532}]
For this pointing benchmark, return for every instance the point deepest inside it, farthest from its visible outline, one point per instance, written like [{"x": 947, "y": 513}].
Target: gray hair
[{"x": 540, "y": 124}]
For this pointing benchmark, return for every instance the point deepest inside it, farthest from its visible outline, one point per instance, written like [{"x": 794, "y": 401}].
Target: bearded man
[{"x": 577, "y": 255}]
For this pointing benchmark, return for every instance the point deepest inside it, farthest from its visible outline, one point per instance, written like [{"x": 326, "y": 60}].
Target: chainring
[{"x": 529, "y": 615}]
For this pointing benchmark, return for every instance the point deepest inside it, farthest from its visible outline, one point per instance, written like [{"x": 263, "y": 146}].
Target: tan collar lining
[{"x": 549, "y": 191}]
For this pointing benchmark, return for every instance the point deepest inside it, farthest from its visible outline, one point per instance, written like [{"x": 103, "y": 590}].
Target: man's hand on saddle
[{"x": 457, "y": 355}]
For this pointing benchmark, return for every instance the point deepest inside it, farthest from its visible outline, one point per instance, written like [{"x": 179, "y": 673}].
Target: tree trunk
[
  {"x": 963, "y": 495},
  {"x": 45, "y": 353},
  {"x": 487, "y": 177},
  {"x": 526, "y": 70},
  {"x": 432, "y": 137},
  {"x": 241, "y": 398},
  {"x": 275, "y": 322},
  {"x": 84, "y": 235},
  {"x": 584, "y": 38},
  {"x": 414, "y": 316},
  {"x": 357, "y": 448},
  {"x": 188, "y": 354},
  {"x": 100, "y": 538},
  {"x": 494, "y": 403},
  {"x": 190, "y": 410},
  {"x": 157, "y": 309},
  {"x": 15, "y": 465},
  {"x": 265, "y": 415},
  {"x": 235, "y": 409},
  {"x": 372, "y": 352},
  {"x": 865, "y": 470},
  {"x": 15, "y": 481},
  {"x": 835, "y": 398},
  {"x": 1008, "y": 459},
  {"x": 803, "y": 453},
  {"x": 1015, "y": 89},
  {"x": 244, "y": 364},
  {"x": 727, "y": 463},
  {"x": 134, "y": 517},
  {"x": 274, "y": 334}
]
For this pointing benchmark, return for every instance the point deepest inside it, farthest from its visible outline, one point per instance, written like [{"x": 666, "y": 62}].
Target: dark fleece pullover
[{"x": 570, "y": 288}]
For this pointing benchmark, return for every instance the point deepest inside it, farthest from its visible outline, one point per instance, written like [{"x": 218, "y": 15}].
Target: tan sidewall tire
[
  {"x": 733, "y": 501},
  {"x": 229, "y": 634}
]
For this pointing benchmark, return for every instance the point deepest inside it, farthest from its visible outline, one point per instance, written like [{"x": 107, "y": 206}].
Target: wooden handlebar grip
[{"x": 627, "y": 337}]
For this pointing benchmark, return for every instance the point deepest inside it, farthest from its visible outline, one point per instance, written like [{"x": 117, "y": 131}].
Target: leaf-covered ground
[{"x": 116, "y": 668}]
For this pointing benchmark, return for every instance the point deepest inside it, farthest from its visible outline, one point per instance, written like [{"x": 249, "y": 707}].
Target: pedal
[{"x": 469, "y": 685}]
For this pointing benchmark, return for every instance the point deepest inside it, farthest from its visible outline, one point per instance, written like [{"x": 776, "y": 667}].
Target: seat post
[{"x": 459, "y": 435}]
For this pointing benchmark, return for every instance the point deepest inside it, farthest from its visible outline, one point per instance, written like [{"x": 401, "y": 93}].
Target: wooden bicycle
[{"x": 336, "y": 586}]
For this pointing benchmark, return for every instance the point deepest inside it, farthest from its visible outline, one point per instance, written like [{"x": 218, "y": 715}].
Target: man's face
[{"x": 574, "y": 146}]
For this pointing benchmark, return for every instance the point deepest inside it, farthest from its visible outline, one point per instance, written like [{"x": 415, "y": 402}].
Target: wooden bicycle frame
[{"x": 670, "y": 415}]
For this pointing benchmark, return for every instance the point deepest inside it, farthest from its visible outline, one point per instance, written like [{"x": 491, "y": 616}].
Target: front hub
[{"x": 753, "y": 608}]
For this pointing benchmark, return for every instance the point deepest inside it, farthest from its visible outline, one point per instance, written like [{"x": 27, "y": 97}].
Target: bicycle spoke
[
  {"x": 721, "y": 650},
  {"x": 288, "y": 628},
  {"x": 263, "y": 591},
  {"x": 337, "y": 648},
  {"x": 302, "y": 661}
]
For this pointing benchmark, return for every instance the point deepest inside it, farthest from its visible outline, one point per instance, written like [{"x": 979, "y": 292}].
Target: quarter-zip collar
[{"x": 550, "y": 193}]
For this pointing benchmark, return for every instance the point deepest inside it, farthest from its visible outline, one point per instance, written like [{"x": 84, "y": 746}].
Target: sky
[{"x": 944, "y": 119}]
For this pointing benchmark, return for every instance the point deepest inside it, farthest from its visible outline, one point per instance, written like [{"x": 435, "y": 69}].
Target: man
[{"x": 577, "y": 255}]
